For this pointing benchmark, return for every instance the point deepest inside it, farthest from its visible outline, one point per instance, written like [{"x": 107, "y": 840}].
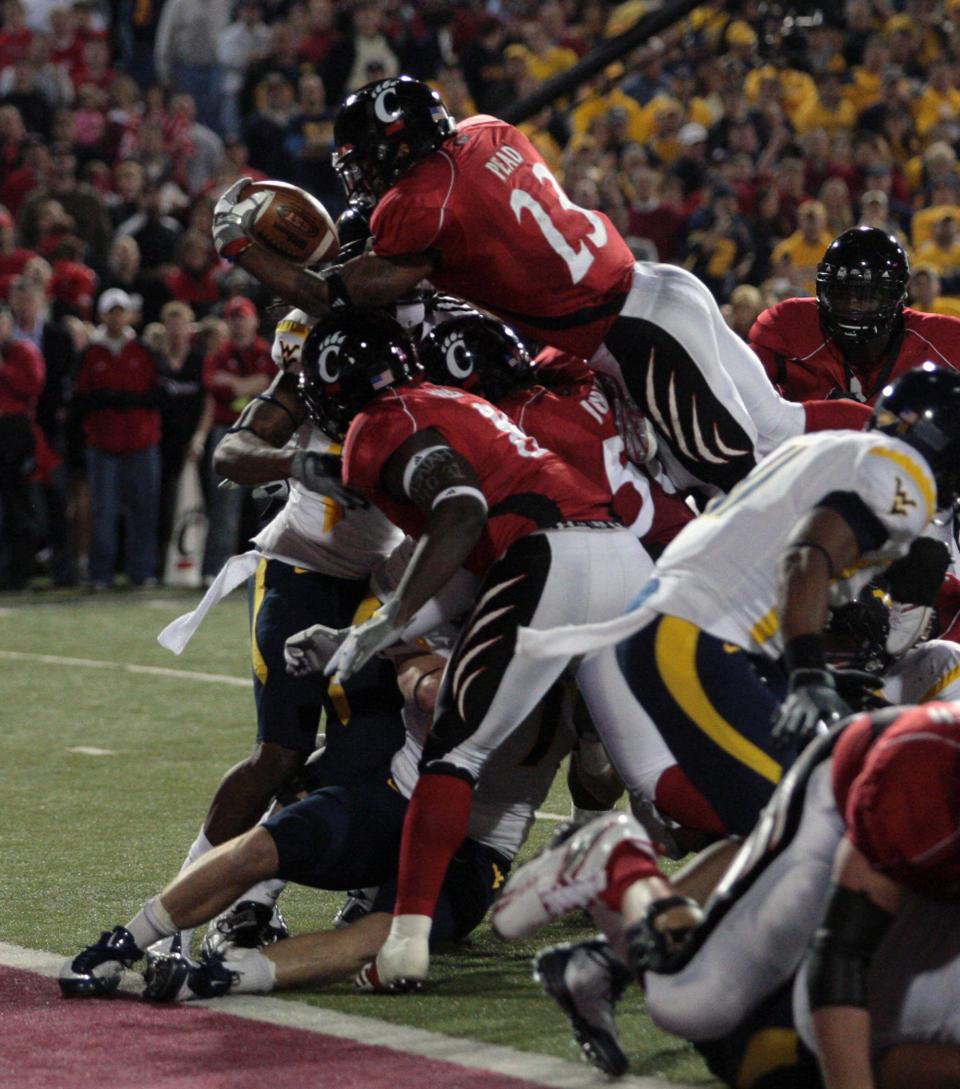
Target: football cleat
[
  {"x": 247, "y": 924},
  {"x": 98, "y": 969},
  {"x": 359, "y": 902},
  {"x": 401, "y": 966},
  {"x": 170, "y": 977},
  {"x": 567, "y": 876},
  {"x": 587, "y": 981}
]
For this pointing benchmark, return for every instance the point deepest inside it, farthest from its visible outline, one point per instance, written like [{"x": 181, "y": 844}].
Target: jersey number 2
[{"x": 577, "y": 260}]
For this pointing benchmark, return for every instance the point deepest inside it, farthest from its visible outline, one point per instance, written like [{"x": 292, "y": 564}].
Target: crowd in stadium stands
[{"x": 737, "y": 144}]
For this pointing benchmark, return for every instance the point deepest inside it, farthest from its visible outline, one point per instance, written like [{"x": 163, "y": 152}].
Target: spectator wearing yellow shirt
[
  {"x": 791, "y": 87},
  {"x": 864, "y": 88},
  {"x": 603, "y": 96},
  {"x": 931, "y": 171},
  {"x": 796, "y": 258},
  {"x": 905, "y": 43},
  {"x": 828, "y": 110},
  {"x": 940, "y": 99},
  {"x": 923, "y": 290},
  {"x": 942, "y": 250},
  {"x": 875, "y": 212},
  {"x": 452, "y": 88}
]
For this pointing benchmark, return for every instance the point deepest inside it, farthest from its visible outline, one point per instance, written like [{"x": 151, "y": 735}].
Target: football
[{"x": 292, "y": 223}]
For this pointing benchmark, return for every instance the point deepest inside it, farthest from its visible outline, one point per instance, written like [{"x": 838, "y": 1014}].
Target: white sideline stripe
[
  {"x": 159, "y": 671},
  {"x": 542, "y": 1069},
  {"x": 125, "y": 667},
  {"x": 89, "y": 750}
]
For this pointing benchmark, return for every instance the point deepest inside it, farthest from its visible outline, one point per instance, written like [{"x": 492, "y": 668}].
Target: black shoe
[
  {"x": 587, "y": 981},
  {"x": 170, "y": 977},
  {"x": 98, "y": 969},
  {"x": 359, "y": 902},
  {"x": 247, "y": 924}
]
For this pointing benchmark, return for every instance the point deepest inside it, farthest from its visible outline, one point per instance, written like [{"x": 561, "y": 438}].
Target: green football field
[{"x": 111, "y": 748}]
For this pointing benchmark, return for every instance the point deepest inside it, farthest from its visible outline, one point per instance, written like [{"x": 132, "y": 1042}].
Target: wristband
[
  {"x": 337, "y": 295},
  {"x": 804, "y": 652}
]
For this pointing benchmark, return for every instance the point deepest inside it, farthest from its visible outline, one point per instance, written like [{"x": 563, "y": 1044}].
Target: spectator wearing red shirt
[
  {"x": 118, "y": 395},
  {"x": 22, "y": 373},
  {"x": 233, "y": 374},
  {"x": 13, "y": 258},
  {"x": 193, "y": 280}
]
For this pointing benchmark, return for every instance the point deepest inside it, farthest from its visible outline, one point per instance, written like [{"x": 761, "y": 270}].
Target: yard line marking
[
  {"x": 125, "y": 667},
  {"x": 495, "y": 1058},
  {"x": 89, "y": 750}
]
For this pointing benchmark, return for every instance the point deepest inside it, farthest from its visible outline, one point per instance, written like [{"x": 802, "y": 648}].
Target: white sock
[
  {"x": 257, "y": 972},
  {"x": 264, "y": 892},
  {"x": 410, "y": 926},
  {"x": 200, "y": 846},
  {"x": 151, "y": 923}
]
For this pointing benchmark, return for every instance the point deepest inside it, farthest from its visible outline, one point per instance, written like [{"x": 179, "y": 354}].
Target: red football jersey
[
  {"x": 508, "y": 237},
  {"x": 526, "y": 487},
  {"x": 570, "y": 415},
  {"x": 805, "y": 366},
  {"x": 899, "y": 796}
]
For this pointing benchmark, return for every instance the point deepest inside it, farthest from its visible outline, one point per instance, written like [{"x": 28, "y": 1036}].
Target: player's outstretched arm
[
  {"x": 250, "y": 453},
  {"x": 859, "y": 912},
  {"x": 821, "y": 545},
  {"x": 366, "y": 281}
]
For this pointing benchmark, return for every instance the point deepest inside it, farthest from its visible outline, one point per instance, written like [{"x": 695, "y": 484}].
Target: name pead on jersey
[
  {"x": 509, "y": 239},
  {"x": 526, "y": 487},
  {"x": 721, "y": 572}
]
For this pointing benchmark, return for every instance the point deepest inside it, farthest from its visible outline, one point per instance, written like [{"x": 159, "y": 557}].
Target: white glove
[
  {"x": 364, "y": 641},
  {"x": 232, "y": 218},
  {"x": 310, "y": 650},
  {"x": 320, "y": 473},
  {"x": 909, "y": 625}
]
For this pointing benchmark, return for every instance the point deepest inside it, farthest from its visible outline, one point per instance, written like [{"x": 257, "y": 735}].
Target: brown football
[{"x": 293, "y": 223}]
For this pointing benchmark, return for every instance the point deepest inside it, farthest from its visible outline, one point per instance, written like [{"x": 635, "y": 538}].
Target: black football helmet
[
  {"x": 353, "y": 229},
  {"x": 859, "y": 631},
  {"x": 478, "y": 354},
  {"x": 347, "y": 359},
  {"x": 861, "y": 286},
  {"x": 383, "y": 129},
  {"x": 922, "y": 408}
]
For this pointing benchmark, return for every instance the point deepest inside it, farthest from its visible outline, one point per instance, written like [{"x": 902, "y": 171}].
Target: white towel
[
  {"x": 571, "y": 640},
  {"x": 236, "y": 570}
]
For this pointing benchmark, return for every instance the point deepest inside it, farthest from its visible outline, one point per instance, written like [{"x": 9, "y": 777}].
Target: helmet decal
[
  {"x": 458, "y": 359},
  {"x": 329, "y": 357},
  {"x": 386, "y": 104}
]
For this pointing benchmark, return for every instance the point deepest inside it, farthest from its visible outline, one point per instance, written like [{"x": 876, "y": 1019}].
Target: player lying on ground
[
  {"x": 336, "y": 838},
  {"x": 840, "y": 880}
]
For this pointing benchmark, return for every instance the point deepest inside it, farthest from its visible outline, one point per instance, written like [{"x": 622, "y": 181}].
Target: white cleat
[
  {"x": 566, "y": 876},
  {"x": 401, "y": 966}
]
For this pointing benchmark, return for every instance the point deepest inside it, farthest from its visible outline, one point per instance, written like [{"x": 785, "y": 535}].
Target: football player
[
  {"x": 731, "y": 624},
  {"x": 473, "y": 208},
  {"x": 857, "y": 335},
  {"x": 313, "y": 562},
  {"x": 335, "y": 838},
  {"x": 841, "y": 879},
  {"x": 474, "y": 491}
]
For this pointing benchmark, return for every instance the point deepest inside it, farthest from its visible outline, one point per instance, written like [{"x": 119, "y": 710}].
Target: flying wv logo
[{"x": 901, "y": 501}]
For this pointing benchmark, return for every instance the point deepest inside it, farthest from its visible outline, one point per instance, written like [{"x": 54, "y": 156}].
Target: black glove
[
  {"x": 813, "y": 699},
  {"x": 320, "y": 473},
  {"x": 661, "y": 949},
  {"x": 860, "y": 690}
]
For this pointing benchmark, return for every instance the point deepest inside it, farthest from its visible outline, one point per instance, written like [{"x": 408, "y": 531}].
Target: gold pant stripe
[
  {"x": 675, "y": 649},
  {"x": 338, "y": 697},
  {"x": 259, "y": 589}
]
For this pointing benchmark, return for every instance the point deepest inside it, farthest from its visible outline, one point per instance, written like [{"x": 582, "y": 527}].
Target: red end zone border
[{"x": 242, "y": 1042}]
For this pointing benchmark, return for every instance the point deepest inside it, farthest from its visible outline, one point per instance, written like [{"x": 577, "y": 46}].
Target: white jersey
[
  {"x": 721, "y": 572},
  {"x": 514, "y": 781},
  {"x": 311, "y": 530},
  {"x": 929, "y": 671}
]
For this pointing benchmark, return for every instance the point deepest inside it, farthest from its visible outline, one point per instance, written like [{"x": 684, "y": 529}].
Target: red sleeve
[
  {"x": 556, "y": 367},
  {"x": 840, "y": 414},
  {"x": 371, "y": 441},
  {"x": 767, "y": 341},
  {"x": 410, "y": 222},
  {"x": 24, "y": 369}
]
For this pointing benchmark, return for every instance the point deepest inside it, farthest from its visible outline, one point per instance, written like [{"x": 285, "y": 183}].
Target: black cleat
[
  {"x": 170, "y": 977},
  {"x": 248, "y": 925},
  {"x": 587, "y": 981},
  {"x": 98, "y": 969}
]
